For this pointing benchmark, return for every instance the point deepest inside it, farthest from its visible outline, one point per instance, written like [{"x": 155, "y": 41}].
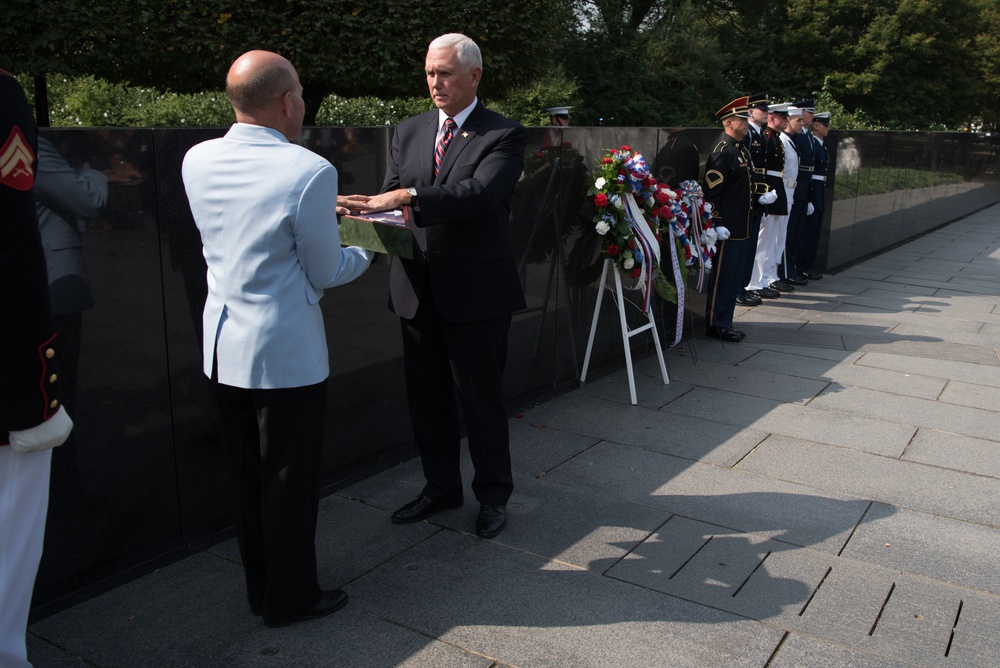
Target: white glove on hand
[
  {"x": 48, "y": 434},
  {"x": 810, "y": 209},
  {"x": 769, "y": 197}
]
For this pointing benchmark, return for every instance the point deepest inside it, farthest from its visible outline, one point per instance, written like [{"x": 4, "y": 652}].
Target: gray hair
[{"x": 469, "y": 55}]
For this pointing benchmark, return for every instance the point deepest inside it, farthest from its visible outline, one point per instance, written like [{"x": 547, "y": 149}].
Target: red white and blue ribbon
[{"x": 649, "y": 245}]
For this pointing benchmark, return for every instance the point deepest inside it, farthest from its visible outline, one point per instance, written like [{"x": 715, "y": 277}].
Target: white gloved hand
[
  {"x": 48, "y": 434},
  {"x": 769, "y": 197},
  {"x": 810, "y": 209}
]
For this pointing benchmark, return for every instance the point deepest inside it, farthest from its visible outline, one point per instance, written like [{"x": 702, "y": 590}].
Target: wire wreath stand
[{"x": 627, "y": 333}]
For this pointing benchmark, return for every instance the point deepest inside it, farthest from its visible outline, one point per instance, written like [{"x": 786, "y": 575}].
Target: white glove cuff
[{"x": 48, "y": 434}]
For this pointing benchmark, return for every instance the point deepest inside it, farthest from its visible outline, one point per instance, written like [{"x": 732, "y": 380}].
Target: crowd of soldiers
[{"x": 766, "y": 181}]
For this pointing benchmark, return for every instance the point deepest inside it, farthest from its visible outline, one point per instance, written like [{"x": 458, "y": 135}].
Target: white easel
[{"x": 626, "y": 332}]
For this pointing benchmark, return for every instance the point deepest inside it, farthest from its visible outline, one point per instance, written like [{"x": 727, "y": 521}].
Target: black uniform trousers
[
  {"x": 756, "y": 214},
  {"x": 273, "y": 442},
  {"x": 727, "y": 279},
  {"x": 787, "y": 268},
  {"x": 455, "y": 371},
  {"x": 809, "y": 241}
]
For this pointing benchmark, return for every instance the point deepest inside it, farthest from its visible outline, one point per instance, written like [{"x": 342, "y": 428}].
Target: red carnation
[
  {"x": 612, "y": 250},
  {"x": 636, "y": 272},
  {"x": 600, "y": 200},
  {"x": 662, "y": 196},
  {"x": 631, "y": 244},
  {"x": 654, "y": 212},
  {"x": 627, "y": 149},
  {"x": 607, "y": 160}
]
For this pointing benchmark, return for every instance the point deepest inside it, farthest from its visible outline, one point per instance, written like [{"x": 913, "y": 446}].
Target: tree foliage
[{"x": 347, "y": 47}]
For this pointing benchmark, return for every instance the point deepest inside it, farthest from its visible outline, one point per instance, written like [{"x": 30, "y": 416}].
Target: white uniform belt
[
  {"x": 771, "y": 172},
  {"x": 818, "y": 177}
]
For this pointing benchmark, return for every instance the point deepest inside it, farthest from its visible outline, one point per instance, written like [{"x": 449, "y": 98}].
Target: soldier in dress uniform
[
  {"x": 770, "y": 240},
  {"x": 801, "y": 206},
  {"x": 32, "y": 421},
  {"x": 757, "y": 110},
  {"x": 729, "y": 189},
  {"x": 817, "y": 197}
]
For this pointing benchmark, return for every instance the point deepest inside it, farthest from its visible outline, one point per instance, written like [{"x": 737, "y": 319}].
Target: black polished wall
[{"x": 142, "y": 473}]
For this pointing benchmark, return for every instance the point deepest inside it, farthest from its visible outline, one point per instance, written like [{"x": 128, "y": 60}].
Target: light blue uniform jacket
[{"x": 266, "y": 210}]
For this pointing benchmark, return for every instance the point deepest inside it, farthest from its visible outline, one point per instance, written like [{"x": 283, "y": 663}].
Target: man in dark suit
[
  {"x": 456, "y": 167},
  {"x": 729, "y": 188}
]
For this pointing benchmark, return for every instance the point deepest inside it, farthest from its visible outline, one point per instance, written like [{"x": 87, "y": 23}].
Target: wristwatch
[{"x": 413, "y": 199}]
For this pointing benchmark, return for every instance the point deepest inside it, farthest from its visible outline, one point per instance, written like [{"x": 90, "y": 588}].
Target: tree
[{"x": 348, "y": 47}]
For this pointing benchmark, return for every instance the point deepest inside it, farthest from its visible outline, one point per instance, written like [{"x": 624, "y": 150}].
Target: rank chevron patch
[{"x": 16, "y": 159}]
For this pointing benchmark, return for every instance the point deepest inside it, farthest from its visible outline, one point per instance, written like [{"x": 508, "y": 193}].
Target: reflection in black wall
[{"x": 142, "y": 475}]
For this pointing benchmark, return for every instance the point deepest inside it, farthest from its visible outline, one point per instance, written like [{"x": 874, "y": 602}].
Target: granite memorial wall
[{"x": 142, "y": 477}]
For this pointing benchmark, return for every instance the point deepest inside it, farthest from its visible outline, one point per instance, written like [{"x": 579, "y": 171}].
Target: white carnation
[
  {"x": 599, "y": 183},
  {"x": 628, "y": 263},
  {"x": 708, "y": 207},
  {"x": 602, "y": 228}
]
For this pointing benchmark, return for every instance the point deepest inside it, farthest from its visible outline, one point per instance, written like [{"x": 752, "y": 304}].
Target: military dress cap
[
  {"x": 822, "y": 117},
  {"x": 808, "y": 104},
  {"x": 757, "y": 100},
  {"x": 779, "y": 109},
  {"x": 558, "y": 111},
  {"x": 794, "y": 111},
  {"x": 737, "y": 108}
]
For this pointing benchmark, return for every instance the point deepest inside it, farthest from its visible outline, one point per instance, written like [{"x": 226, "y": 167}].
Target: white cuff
[{"x": 48, "y": 434}]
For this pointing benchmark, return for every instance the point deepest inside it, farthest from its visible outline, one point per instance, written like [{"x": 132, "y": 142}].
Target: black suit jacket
[{"x": 462, "y": 243}]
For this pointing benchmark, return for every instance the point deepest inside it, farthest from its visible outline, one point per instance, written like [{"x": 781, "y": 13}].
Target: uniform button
[
  {"x": 54, "y": 403},
  {"x": 53, "y": 378},
  {"x": 49, "y": 353}
]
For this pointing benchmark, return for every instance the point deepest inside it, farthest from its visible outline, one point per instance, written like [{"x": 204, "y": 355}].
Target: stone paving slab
[
  {"x": 910, "y": 410},
  {"x": 976, "y": 396},
  {"x": 952, "y": 550},
  {"x": 980, "y": 374},
  {"x": 848, "y": 374},
  {"x": 689, "y": 437},
  {"x": 802, "y": 650},
  {"x": 789, "y": 512},
  {"x": 930, "y": 489},
  {"x": 523, "y": 610},
  {"x": 955, "y": 451}
]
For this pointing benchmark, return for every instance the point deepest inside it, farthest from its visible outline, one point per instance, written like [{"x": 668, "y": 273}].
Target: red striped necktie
[{"x": 442, "y": 145}]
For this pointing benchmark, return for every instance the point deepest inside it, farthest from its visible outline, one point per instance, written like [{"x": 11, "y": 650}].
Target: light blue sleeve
[{"x": 317, "y": 240}]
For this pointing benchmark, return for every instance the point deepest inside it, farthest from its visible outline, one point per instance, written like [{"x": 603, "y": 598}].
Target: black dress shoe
[
  {"x": 329, "y": 601},
  {"x": 796, "y": 281},
  {"x": 749, "y": 299},
  {"x": 811, "y": 275},
  {"x": 767, "y": 293},
  {"x": 491, "y": 521},
  {"x": 781, "y": 286},
  {"x": 423, "y": 507},
  {"x": 724, "y": 334}
]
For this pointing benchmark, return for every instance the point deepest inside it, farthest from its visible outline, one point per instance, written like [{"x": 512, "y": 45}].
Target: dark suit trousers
[
  {"x": 273, "y": 443},
  {"x": 455, "y": 370}
]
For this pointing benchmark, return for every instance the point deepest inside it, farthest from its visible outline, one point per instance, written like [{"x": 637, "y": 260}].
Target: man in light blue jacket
[{"x": 266, "y": 211}]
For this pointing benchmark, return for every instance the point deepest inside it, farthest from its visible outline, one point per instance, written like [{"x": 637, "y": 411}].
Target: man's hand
[
  {"x": 390, "y": 201},
  {"x": 810, "y": 209},
  {"x": 347, "y": 204}
]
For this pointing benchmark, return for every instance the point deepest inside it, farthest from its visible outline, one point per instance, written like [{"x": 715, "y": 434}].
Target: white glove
[
  {"x": 48, "y": 434},
  {"x": 769, "y": 197},
  {"x": 810, "y": 209}
]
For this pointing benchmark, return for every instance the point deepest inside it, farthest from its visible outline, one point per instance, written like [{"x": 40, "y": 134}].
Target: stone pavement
[{"x": 826, "y": 493}]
